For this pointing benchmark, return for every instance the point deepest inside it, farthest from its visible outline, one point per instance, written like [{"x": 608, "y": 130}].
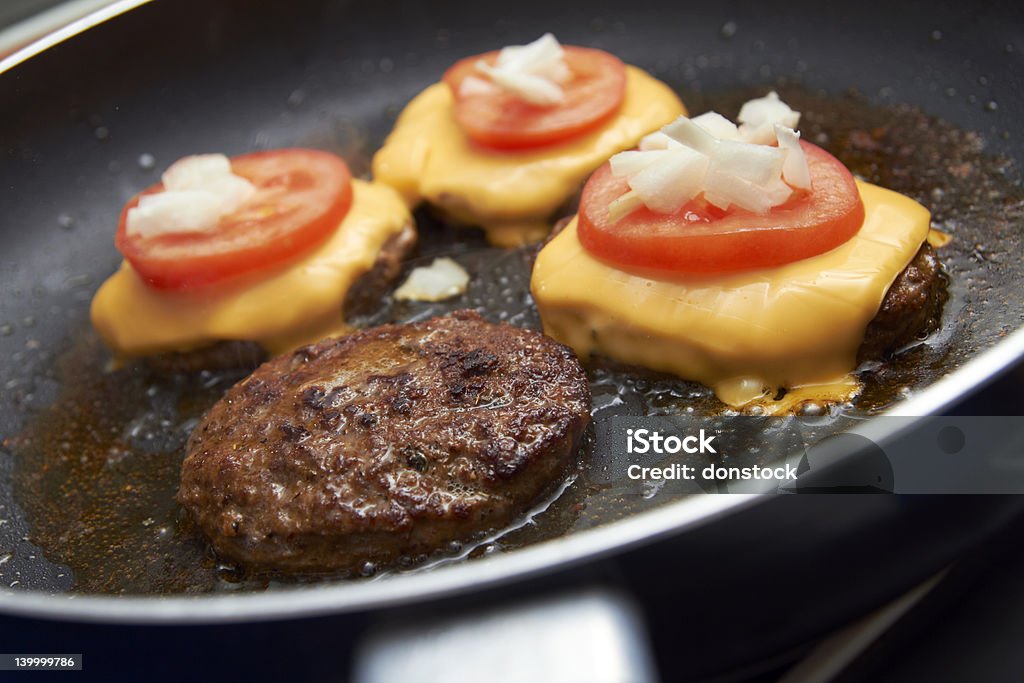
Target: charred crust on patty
[{"x": 393, "y": 441}]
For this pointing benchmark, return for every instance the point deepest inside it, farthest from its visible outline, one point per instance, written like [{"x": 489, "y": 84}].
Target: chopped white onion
[
  {"x": 658, "y": 140},
  {"x": 198, "y": 191},
  {"x": 632, "y": 162},
  {"x": 758, "y": 135},
  {"x": 794, "y": 169},
  {"x": 778, "y": 191},
  {"x": 710, "y": 155},
  {"x": 181, "y": 211},
  {"x": 471, "y": 85},
  {"x": 734, "y": 191},
  {"x": 533, "y": 72},
  {"x": 442, "y": 279},
  {"x": 716, "y": 124},
  {"x": 685, "y": 131},
  {"x": 193, "y": 172},
  {"x": 757, "y": 164},
  {"x": 730, "y": 191},
  {"x": 533, "y": 89},
  {"x": 758, "y": 118},
  {"x": 624, "y": 205},
  {"x": 543, "y": 57},
  {"x": 232, "y": 190},
  {"x": 669, "y": 182}
]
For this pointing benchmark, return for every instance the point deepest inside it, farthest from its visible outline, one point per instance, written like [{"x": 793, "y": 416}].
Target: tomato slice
[
  {"x": 701, "y": 239},
  {"x": 503, "y": 121},
  {"x": 301, "y": 197}
]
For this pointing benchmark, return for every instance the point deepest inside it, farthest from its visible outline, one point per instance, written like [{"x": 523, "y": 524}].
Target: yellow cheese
[
  {"x": 512, "y": 195},
  {"x": 297, "y": 304},
  {"x": 744, "y": 335}
]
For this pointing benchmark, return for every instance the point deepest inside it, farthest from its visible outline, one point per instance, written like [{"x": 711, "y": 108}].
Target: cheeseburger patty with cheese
[
  {"x": 741, "y": 258},
  {"x": 272, "y": 249},
  {"x": 507, "y": 138}
]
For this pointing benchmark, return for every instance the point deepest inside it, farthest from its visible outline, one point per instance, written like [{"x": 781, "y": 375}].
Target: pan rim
[
  {"x": 559, "y": 553},
  {"x": 76, "y": 27}
]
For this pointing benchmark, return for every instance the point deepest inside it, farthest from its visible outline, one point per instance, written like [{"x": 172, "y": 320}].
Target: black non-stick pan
[{"x": 923, "y": 97}]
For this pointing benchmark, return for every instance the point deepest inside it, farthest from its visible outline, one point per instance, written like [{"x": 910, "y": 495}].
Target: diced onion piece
[
  {"x": 624, "y": 205},
  {"x": 442, "y": 279},
  {"x": 533, "y": 89},
  {"x": 210, "y": 172},
  {"x": 471, "y": 85},
  {"x": 794, "y": 168},
  {"x": 708, "y": 154},
  {"x": 183, "y": 211},
  {"x": 691, "y": 135},
  {"x": 716, "y": 124},
  {"x": 670, "y": 182},
  {"x": 233, "y": 191},
  {"x": 532, "y": 72},
  {"x": 632, "y": 162},
  {"x": 758, "y": 135},
  {"x": 716, "y": 199},
  {"x": 543, "y": 57},
  {"x": 755, "y": 163},
  {"x": 778, "y": 191},
  {"x": 198, "y": 191},
  {"x": 193, "y": 172},
  {"x": 758, "y": 118},
  {"x": 658, "y": 141},
  {"x": 768, "y": 109},
  {"x": 730, "y": 190}
]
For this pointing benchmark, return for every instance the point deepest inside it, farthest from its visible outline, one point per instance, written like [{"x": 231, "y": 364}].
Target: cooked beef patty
[
  {"x": 396, "y": 440},
  {"x": 363, "y": 296},
  {"x": 911, "y": 308}
]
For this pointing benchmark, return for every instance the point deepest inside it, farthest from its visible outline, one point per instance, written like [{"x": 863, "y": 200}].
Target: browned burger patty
[
  {"x": 911, "y": 308},
  {"x": 363, "y": 296},
  {"x": 396, "y": 440}
]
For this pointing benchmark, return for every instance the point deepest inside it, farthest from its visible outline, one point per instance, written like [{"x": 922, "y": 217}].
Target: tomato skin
[
  {"x": 302, "y": 196},
  {"x": 702, "y": 240},
  {"x": 503, "y": 121}
]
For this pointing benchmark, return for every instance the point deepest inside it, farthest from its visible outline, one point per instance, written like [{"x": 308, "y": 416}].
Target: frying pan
[{"x": 80, "y": 120}]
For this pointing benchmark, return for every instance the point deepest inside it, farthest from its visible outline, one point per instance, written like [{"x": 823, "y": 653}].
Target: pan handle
[{"x": 595, "y": 634}]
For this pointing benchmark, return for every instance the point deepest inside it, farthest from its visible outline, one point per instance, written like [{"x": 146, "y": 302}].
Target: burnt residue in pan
[
  {"x": 97, "y": 474},
  {"x": 97, "y": 470}
]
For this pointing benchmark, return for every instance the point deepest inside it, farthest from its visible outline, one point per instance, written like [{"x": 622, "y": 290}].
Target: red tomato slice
[
  {"x": 701, "y": 239},
  {"x": 504, "y": 121},
  {"x": 302, "y": 196}
]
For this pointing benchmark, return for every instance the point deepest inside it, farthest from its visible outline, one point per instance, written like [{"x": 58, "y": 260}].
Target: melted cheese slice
[
  {"x": 512, "y": 195},
  {"x": 299, "y": 304},
  {"x": 744, "y": 335}
]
